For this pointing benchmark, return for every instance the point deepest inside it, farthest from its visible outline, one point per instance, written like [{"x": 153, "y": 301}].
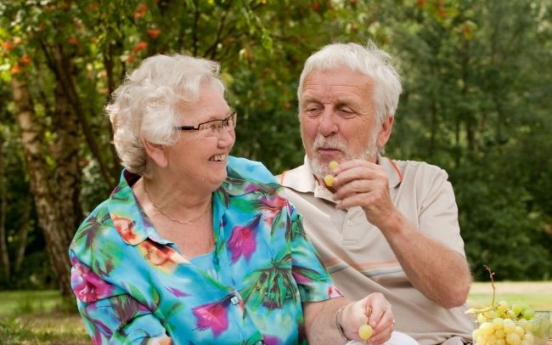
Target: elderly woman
[{"x": 195, "y": 246}]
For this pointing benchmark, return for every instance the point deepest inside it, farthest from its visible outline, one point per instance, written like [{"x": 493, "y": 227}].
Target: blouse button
[{"x": 234, "y": 300}]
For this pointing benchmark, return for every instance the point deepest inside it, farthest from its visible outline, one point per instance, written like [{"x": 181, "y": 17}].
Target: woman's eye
[{"x": 211, "y": 126}]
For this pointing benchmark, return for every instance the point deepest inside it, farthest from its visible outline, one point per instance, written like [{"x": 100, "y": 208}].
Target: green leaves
[{"x": 476, "y": 100}]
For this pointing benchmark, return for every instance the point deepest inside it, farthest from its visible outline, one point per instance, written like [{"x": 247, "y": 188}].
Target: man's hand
[{"x": 365, "y": 184}]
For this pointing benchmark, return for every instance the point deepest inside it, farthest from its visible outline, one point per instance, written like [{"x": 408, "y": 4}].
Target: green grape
[
  {"x": 481, "y": 318},
  {"x": 329, "y": 180},
  {"x": 500, "y": 334},
  {"x": 491, "y": 314},
  {"x": 502, "y": 307},
  {"x": 524, "y": 342},
  {"x": 498, "y": 323},
  {"x": 509, "y": 314},
  {"x": 333, "y": 165},
  {"x": 486, "y": 328},
  {"x": 476, "y": 333},
  {"x": 528, "y": 314},
  {"x": 519, "y": 331},
  {"x": 529, "y": 338},
  {"x": 365, "y": 331},
  {"x": 509, "y": 326},
  {"x": 513, "y": 339},
  {"x": 519, "y": 308},
  {"x": 525, "y": 324},
  {"x": 491, "y": 339}
]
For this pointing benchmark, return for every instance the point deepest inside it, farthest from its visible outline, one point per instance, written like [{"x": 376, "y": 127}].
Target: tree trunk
[
  {"x": 61, "y": 65},
  {"x": 22, "y": 235},
  {"x": 65, "y": 124},
  {"x": 4, "y": 257},
  {"x": 50, "y": 218}
]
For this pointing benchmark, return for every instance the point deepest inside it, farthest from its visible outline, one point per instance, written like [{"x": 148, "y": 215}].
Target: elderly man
[{"x": 378, "y": 224}]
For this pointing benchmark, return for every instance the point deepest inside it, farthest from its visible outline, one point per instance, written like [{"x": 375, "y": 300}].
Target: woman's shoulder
[{"x": 249, "y": 170}]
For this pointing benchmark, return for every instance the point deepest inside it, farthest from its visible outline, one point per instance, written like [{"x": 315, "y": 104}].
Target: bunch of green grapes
[
  {"x": 516, "y": 312},
  {"x": 505, "y": 324},
  {"x": 502, "y": 324}
]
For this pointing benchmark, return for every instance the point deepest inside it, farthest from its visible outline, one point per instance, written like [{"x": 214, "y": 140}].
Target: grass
[
  {"x": 41, "y": 317},
  {"x": 538, "y": 295},
  {"x": 25, "y": 302}
]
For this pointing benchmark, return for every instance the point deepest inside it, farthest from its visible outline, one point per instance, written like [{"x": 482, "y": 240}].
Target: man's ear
[
  {"x": 156, "y": 152},
  {"x": 385, "y": 131}
]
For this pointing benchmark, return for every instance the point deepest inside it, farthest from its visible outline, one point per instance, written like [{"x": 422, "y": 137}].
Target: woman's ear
[
  {"x": 156, "y": 152},
  {"x": 385, "y": 131}
]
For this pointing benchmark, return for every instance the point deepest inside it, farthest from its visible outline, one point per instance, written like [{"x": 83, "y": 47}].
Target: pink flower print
[
  {"x": 88, "y": 286},
  {"x": 212, "y": 316},
  {"x": 177, "y": 293},
  {"x": 271, "y": 340},
  {"x": 272, "y": 206},
  {"x": 242, "y": 242}
]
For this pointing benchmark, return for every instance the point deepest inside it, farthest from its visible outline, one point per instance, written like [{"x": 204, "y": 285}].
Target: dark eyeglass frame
[{"x": 227, "y": 123}]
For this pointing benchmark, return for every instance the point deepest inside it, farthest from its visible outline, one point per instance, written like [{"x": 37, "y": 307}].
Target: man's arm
[{"x": 440, "y": 273}]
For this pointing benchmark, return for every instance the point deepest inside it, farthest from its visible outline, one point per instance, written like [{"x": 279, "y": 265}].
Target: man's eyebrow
[
  {"x": 344, "y": 103},
  {"x": 307, "y": 96},
  {"x": 309, "y": 100}
]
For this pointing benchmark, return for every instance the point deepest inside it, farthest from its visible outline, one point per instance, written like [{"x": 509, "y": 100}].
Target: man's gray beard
[{"x": 321, "y": 169}]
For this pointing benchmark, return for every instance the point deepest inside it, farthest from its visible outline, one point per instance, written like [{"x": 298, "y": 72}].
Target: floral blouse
[{"x": 134, "y": 287}]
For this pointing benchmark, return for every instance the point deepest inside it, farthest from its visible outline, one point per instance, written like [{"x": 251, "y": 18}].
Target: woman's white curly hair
[{"x": 149, "y": 103}]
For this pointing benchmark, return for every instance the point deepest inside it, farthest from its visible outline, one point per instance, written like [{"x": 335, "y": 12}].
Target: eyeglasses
[{"x": 227, "y": 123}]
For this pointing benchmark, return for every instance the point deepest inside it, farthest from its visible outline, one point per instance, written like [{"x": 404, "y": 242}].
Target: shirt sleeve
[
  {"x": 111, "y": 315},
  {"x": 438, "y": 211},
  {"x": 315, "y": 283}
]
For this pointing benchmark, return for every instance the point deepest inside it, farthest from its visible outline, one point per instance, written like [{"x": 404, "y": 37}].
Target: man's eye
[
  {"x": 312, "y": 110},
  {"x": 347, "y": 112}
]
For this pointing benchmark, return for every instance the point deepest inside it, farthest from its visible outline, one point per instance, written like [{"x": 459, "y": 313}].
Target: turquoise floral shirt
[{"x": 134, "y": 287}]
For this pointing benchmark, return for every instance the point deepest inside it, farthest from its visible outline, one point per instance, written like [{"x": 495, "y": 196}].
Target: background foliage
[{"x": 477, "y": 79}]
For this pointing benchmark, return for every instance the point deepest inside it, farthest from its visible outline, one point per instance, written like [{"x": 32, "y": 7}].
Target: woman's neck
[{"x": 174, "y": 204}]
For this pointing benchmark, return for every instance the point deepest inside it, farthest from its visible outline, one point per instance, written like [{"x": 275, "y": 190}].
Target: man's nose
[{"x": 328, "y": 123}]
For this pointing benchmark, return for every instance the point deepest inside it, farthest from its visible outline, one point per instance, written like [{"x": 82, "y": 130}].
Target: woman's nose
[{"x": 226, "y": 136}]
